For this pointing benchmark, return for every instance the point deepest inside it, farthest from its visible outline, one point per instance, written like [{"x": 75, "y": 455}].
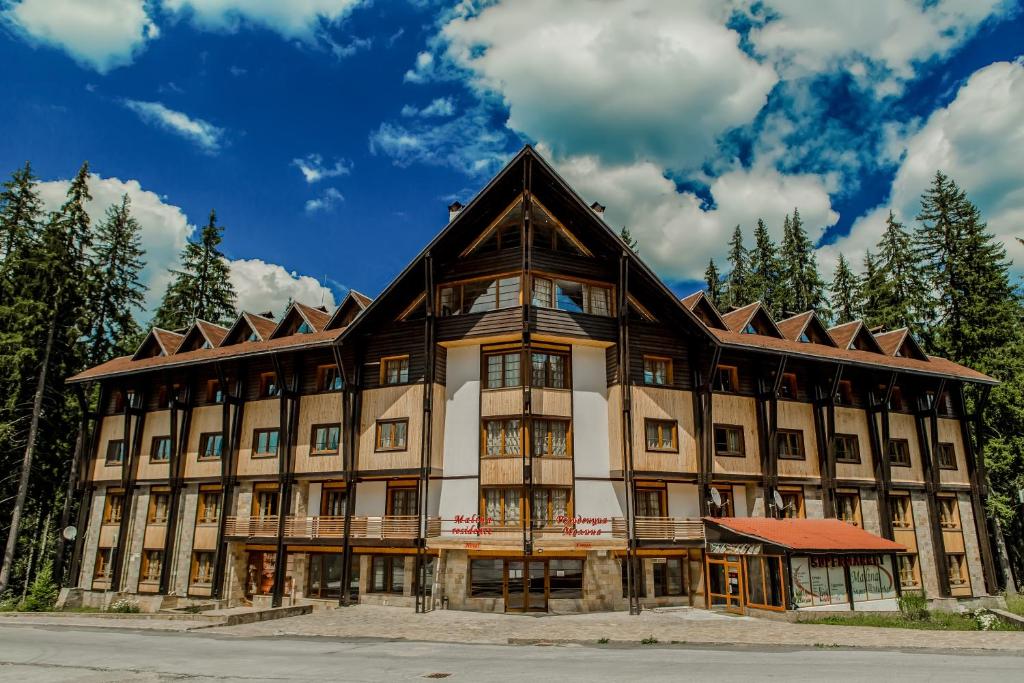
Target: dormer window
[
  {"x": 750, "y": 329},
  {"x": 304, "y": 328},
  {"x": 804, "y": 338},
  {"x": 253, "y": 337},
  {"x": 206, "y": 344}
]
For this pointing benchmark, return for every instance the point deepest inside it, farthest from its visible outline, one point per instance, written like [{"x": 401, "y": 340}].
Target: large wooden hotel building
[{"x": 528, "y": 419}]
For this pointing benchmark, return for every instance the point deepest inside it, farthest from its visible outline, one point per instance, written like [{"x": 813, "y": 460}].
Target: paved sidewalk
[{"x": 692, "y": 626}]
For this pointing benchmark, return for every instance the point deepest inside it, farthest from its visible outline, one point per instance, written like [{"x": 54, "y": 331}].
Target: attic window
[
  {"x": 804, "y": 338},
  {"x": 750, "y": 329},
  {"x": 304, "y": 328},
  {"x": 252, "y": 336},
  {"x": 206, "y": 344}
]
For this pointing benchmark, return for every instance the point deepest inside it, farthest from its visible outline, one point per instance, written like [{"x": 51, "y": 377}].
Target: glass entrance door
[
  {"x": 725, "y": 582},
  {"x": 526, "y": 584}
]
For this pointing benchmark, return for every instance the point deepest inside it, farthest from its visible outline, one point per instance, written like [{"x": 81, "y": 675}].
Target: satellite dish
[
  {"x": 778, "y": 500},
  {"x": 716, "y": 497},
  {"x": 69, "y": 533}
]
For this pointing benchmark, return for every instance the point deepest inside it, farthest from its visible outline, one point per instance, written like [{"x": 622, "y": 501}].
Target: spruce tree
[
  {"x": 628, "y": 238},
  {"x": 900, "y": 299},
  {"x": 806, "y": 289},
  {"x": 713, "y": 283},
  {"x": 120, "y": 292},
  {"x": 871, "y": 283},
  {"x": 202, "y": 288},
  {"x": 20, "y": 211},
  {"x": 844, "y": 293},
  {"x": 765, "y": 270},
  {"x": 737, "y": 282}
]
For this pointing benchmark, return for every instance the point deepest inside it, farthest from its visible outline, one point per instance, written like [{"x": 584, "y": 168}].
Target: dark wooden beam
[
  {"x": 131, "y": 448},
  {"x": 927, "y": 412},
  {"x": 175, "y": 475},
  {"x": 975, "y": 472},
  {"x": 423, "y": 497}
]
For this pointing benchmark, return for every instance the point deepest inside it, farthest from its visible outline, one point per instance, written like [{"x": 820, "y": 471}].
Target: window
[
  {"x": 502, "y": 369},
  {"x": 264, "y": 443},
  {"x": 387, "y": 574},
  {"x": 650, "y": 502},
  {"x": 727, "y": 508},
  {"x": 668, "y": 576},
  {"x": 549, "y": 369},
  {"x": 947, "y": 456},
  {"x": 115, "y": 451},
  {"x": 210, "y": 445},
  {"x": 844, "y": 396},
  {"x": 402, "y": 501},
  {"x": 550, "y": 438},
  {"x": 946, "y": 407},
  {"x": 159, "y": 504},
  {"x": 848, "y": 507},
  {"x": 161, "y": 450},
  {"x": 572, "y": 296},
  {"x": 502, "y": 506},
  {"x": 957, "y": 569},
  {"x": 304, "y": 328},
  {"x": 325, "y": 439},
  {"x": 394, "y": 370},
  {"x": 487, "y": 578},
  {"x": 113, "y": 507},
  {"x": 900, "y": 510},
  {"x": 333, "y": 502},
  {"x": 268, "y": 385},
  {"x": 208, "y": 511},
  {"x": 165, "y": 396},
  {"x": 661, "y": 435},
  {"x": 328, "y": 378},
  {"x": 657, "y": 371},
  {"x": 104, "y": 564},
  {"x": 749, "y": 329},
  {"x": 391, "y": 435},
  {"x": 765, "y": 581},
  {"x": 847, "y": 448},
  {"x": 896, "y": 399},
  {"x": 727, "y": 379},
  {"x": 949, "y": 515},
  {"x": 790, "y": 444},
  {"x": 638, "y": 577},
  {"x": 548, "y": 505},
  {"x": 729, "y": 441},
  {"x": 214, "y": 393},
  {"x": 202, "y": 568},
  {"x": 792, "y": 503},
  {"x": 787, "y": 388},
  {"x": 152, "y": 561},
  {"x": 908, "y": 570},
  {"x": 478, "y": 296},
  {"x": 899, "y": 452},
  {"x": 502, "y": 437},
  {"x": 264, "y": 502},
  {"x": 565, "y": 579}
]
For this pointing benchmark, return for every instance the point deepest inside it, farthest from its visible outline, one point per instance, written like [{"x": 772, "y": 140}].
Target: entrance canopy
[{"x": 800, "y": 535}]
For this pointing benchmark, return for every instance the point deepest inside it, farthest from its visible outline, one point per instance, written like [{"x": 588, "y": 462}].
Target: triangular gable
[
  {"x": 701, "y": 305},
  {"x": 301, "y": 319},
  {"x": 752, "y": 319},
  {"x": 505, "y": 231},
  {"x": 202, "y": 335},
  {"x": 854, "y": 336},
  {"x": 158, "y": 343},
  {"x": 807, "y": 328},
  {"x": 353, "y": 304},
  {"x": 900, "y": 344},
  {"x": 249, "y": 327}
]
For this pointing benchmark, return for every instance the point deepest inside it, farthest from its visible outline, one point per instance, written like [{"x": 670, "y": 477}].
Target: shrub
[
  {"x": 42, "y": 594},
  {"x": 914, "y": 606},
  {"x": 124, "y": 606},
  {"x": 650, "y": 640}
]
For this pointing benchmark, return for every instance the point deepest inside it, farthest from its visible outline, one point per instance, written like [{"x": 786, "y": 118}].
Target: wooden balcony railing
[
  {"x": 250, "y": 527},
  {"x": 661, "y": 529},
  {"x": 327, "y": 527}
]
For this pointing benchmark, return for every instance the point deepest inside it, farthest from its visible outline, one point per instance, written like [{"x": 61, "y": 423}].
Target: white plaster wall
[
  {"x": 457, "y": 497},
  {"x": 371, "y": 499},
  {"x": 433, "y": 497},
  {"x": 739, "y": 497},
  {"x": 597, "y": 499},
  {"x": 683, "y": 500},
  {"x": 462, "y": 412},
  {"x": 590, "y": 412}
]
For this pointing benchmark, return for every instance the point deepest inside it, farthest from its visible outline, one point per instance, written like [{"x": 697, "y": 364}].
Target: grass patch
[
  {"x": 935, "y": 621},
  {"x": 1015, "y": 603},
  {"x": 650, "y": 640}
]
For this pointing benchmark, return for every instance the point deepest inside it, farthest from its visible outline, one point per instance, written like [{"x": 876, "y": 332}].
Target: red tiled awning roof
[{"x": 827, "y": 535}]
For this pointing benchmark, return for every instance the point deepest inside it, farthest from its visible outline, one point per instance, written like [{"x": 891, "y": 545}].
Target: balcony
[
  {"x": 661, "y": 529},
  {"x": 388, "y": 527}
]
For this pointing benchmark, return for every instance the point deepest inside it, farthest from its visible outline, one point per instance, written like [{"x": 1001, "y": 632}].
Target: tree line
[
  {"x": 70, "y": 295},
  {"x": 946, "y": 279}
]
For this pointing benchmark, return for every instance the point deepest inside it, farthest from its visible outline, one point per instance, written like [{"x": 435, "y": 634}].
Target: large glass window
[
  {"x": 550, "y": 437},
  {"x": 487, "y": 578},
  {"x": 565, "y": 579},
  {"x": 502, "y": 506},
  {"x": 548, "y": 506},
  {"x": 668, "y": 576},
  {"x": 572, "y": 296},
  {"x": 402, "y": 501},
  {"x": 387, "y": 574},
  {"x": 332, "y": 502},
  {"x": 503, "y": 369},
  {"x": 549, "y": 369},
  {"x": 502, "y": 437},
  {"x": 265, "y": 502},
  {"x": 650, "y": 502},
  {"x": 478, "y": 296}
]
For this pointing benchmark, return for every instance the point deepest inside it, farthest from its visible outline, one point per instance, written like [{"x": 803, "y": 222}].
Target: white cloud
[
  {"x": 978, "y": 140},
  {"x": 202, "y": 133},
  {"x": 263, "y": 286},
  {"x": 677, "y": 235},
  {"x": 313, "y": 169},
  {"x": 440, "y": 107},
  {"x": 325, "y": 202},
  {"x": 297, "y": 19},
  {"x": 100, "y": 34}
]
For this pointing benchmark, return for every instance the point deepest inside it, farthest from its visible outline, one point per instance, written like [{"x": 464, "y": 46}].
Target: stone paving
[{"x": 680, "y": 625}]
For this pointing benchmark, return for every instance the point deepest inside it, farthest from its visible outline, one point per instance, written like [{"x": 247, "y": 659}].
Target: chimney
[
  {"x": 454, "y": 209},
  {"x": 598, "y": 208}
]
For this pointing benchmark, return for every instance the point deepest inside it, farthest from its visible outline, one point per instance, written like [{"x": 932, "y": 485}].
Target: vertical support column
[
  {"x": 825, "y": 430},
  {"x": 423, "y": 499},
  {"x": 769, "y": 411},
  {"x": 175, "y": 475},
  {"x": 924, "y": 417},
  {"x": 525, "y": 365},
  {"x": 626, "y": 382},
  {"x": 976, "y": 476},
  {"x": 704, "y": 425},
  {"x": 86, "y": 488},
  {"x": 72, "y": 484},
  {"x": 132, "y": 437},
  {"x": 289, "y": 406},
  {"x": 231, "y": 425},
  {"x": 352, "y": 402},
  {"x": 880, "y": 451}
]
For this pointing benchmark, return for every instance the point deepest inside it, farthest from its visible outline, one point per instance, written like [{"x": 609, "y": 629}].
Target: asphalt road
[{"x": 35, "y": 653}]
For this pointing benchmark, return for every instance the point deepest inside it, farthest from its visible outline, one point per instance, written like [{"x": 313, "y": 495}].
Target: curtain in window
[
  {"x": 600, "y": 300},
  {"x": 541, "y": 292}
]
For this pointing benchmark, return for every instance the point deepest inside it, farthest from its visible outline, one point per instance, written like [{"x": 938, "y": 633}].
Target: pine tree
[
  {"x": 844, "y": 293},
  {"x": 806, "y": 289},
  {"x": 737, "y": 283},
  {"x": 20, "y": 210},
  {"x": 202, "y": 288},
  {"x": 713, "y": 283},
  {"x": 765, "y": 270},
  {"x": 871, "y": 283},
  {"x": 627, "y": 237},
  {"x": 119, "y": 266},
  {"x": 900, "y": 299}
]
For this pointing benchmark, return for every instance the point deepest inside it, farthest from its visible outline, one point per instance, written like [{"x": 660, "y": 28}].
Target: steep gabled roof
[
  {"x": 752, "y": 316},
  {"x": 703, "y": 308},
  {"x": 158, "y": 343},
  {"x": 855, "y": 335},
  {"x": 246, "y": 325},
  {"x": 807, "y": 328},
  {"x": 353, "y": 304},
  {"x": 901, "y": 344},
  {"x": 200, "y": 334},
  {"x": 297, "y": 313}
]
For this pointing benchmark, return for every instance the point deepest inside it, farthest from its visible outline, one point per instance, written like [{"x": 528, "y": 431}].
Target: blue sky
[{"x": 331, "y": 134}]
